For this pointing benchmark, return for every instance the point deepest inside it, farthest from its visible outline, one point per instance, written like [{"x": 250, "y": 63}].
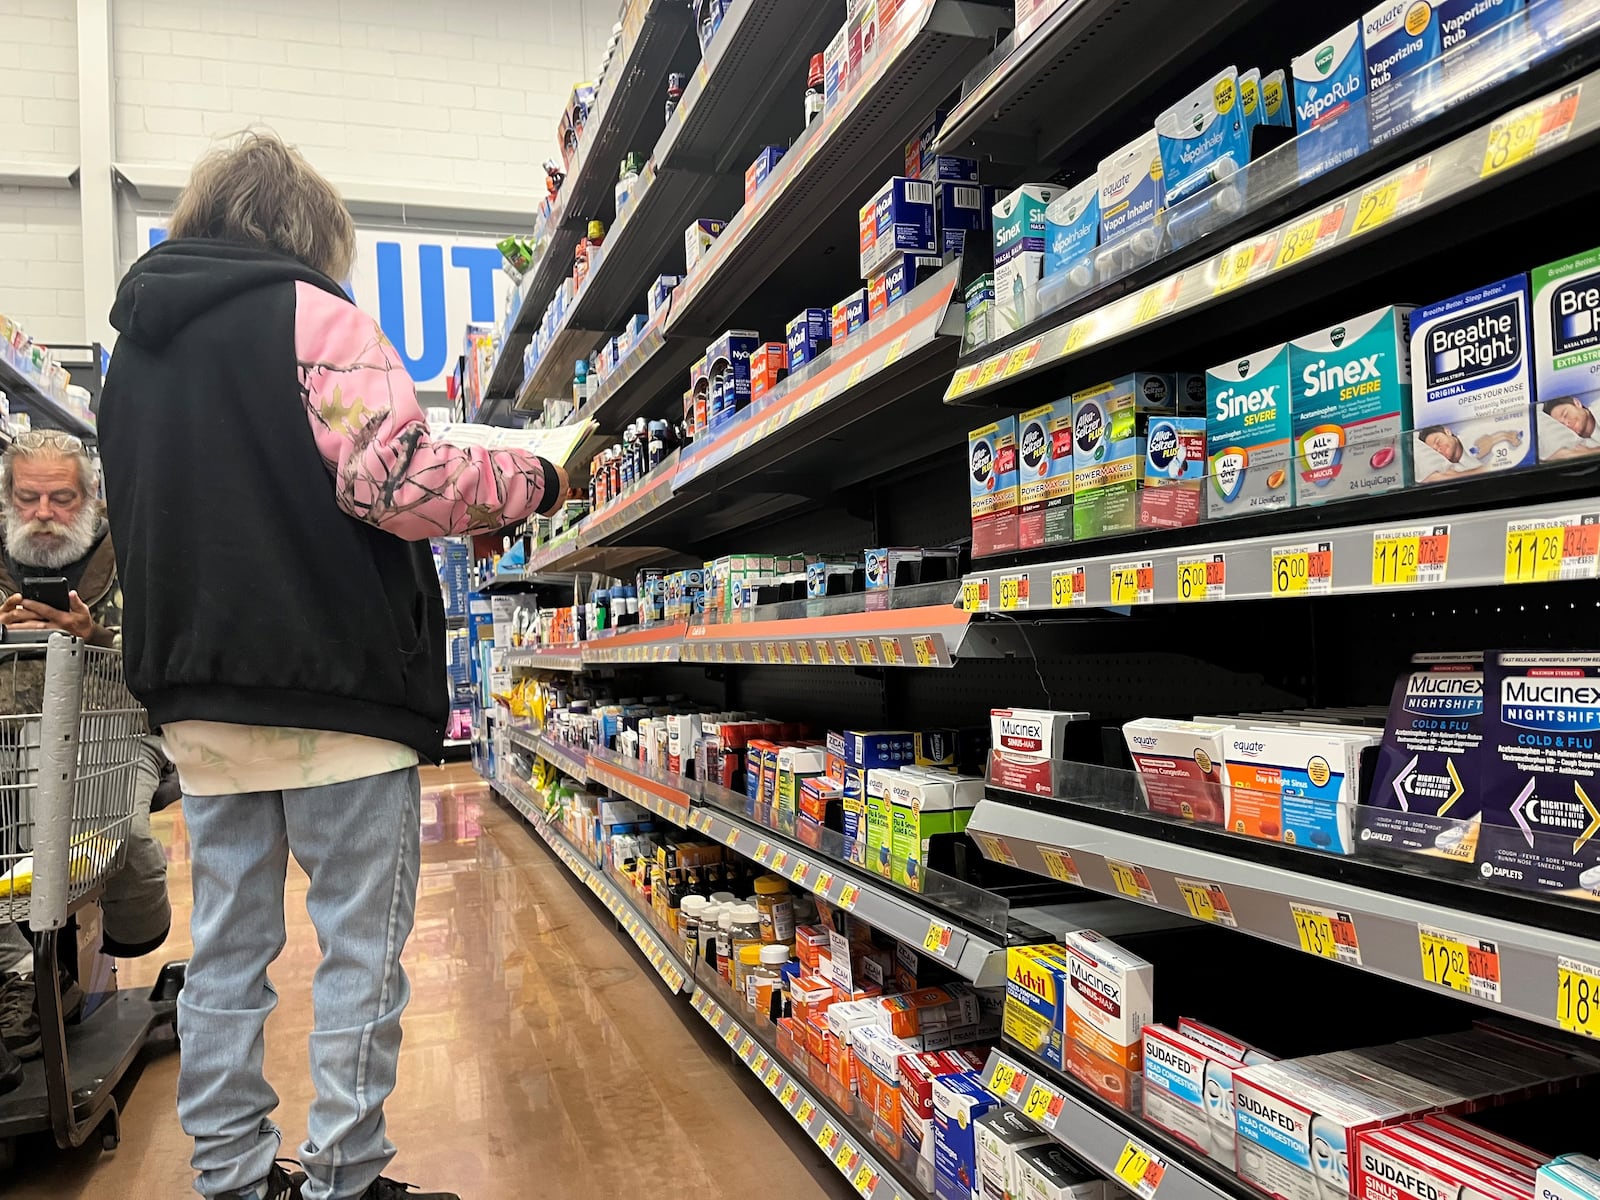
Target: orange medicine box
[{"x": 769, "y": 366}]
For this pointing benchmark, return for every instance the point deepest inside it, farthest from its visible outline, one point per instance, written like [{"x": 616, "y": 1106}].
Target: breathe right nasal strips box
[
  {"x": 1471, "y": 384},
  {"x": 1566, "y": 355},
  {"x": 1248, "y": 432}
]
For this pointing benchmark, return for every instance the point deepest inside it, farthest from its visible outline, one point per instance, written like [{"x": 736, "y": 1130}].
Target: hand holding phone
[{"x": 48, "y": 589}]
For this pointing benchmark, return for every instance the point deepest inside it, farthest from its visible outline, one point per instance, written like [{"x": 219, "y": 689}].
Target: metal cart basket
[{"x": 68, "y": 792}]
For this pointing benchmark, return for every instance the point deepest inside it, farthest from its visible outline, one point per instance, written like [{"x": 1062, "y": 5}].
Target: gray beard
[{"x": 71, "y": 542}]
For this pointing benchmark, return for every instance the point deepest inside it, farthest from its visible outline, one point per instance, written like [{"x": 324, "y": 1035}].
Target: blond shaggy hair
[{"x": 259, "y": 191}]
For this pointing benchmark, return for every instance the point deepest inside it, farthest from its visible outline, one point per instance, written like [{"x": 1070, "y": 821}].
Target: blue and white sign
[{"x": 423, "y": 289}]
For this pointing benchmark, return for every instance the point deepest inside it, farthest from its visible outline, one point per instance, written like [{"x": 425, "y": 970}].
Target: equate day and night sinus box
[
  {"x": 1294, "y": 785},
  {"x": 1248, "y": 433},
  {"x": 1566, "y": 356},
  {"x": 992, "y": 473},
  {"x": 1350, "y": 406},
  {"x": 1045, "y": 476},
  {"x": 1472, "y": 389}
]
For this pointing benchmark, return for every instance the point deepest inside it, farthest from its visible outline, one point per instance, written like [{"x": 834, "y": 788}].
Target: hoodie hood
[{"x": 180, "y": 279}]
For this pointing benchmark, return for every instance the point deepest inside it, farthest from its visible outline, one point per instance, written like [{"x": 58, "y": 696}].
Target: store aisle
[{"x": 541, "y": 1055}]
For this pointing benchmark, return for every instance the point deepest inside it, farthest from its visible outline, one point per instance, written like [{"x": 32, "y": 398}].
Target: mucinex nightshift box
[{"x": 1540, "y": 767}]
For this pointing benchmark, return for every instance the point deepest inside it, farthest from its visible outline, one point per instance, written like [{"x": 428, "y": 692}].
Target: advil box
[
  {"x": 1540, "y": 766},
  {"x": 1026, "y": 741},
  {"x": 1037, "y": 980}
]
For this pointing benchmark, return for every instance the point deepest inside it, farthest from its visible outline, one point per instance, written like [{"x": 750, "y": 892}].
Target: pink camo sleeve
[{"x": 387, "y": 469}]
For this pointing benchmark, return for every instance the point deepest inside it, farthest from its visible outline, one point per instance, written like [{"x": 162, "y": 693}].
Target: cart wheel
[{"x": 111, "y": 1130}]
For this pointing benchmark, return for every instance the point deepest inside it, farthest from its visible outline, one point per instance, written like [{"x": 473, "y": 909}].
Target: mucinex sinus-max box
[
  {"x": 1540, "y": 767},
  {"x": 1426, "y": 793},
  {"x": 1471, "y": 387}
]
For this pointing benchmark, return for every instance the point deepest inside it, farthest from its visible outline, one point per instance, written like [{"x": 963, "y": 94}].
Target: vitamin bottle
[{"x": 776, "y": 908}]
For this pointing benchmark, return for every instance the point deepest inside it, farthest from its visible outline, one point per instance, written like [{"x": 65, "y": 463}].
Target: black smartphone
[{"x": 48, "y": 589}]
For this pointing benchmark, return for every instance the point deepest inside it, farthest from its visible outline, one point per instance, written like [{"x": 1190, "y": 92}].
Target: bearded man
[{"x": 53, "y": 525}]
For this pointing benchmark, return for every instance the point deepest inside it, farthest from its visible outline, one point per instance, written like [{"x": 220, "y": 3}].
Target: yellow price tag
[
  {"x": 1069, "y": 588},
  {"x": 1060, "y": 865},
  {"x": 1013, "y": 592},
  {"x": 1393, "y": 194},
  {"x": 1234, "y": 268},
  {"x": 866, "y": 1179},
  {"x": 780, "y": 860},
  {"x": 856, "y": 372},
  {"x": 786, "y": 1097},
  {"x": 990, "y": 369},
  {"x": 846, "y": 1158},
  {"x": 895, "y": 350},
  {"x": 1077, "y": 335},
  {"x": 1553, "y": 548},
  {"x": 1156, "y": 300},
  {"x": 1140, "y": 1169},
  {"x": 1578, "y": 997},
  {"x": 1299, "y": 570},
  {"x": 1133, "y": 582},
  {"x": 1206, "y": 902},
  {"x": 1470, "y": 966},
  {"x": 868, "y": 650},
  {"x": 1202, "y": 578},
  {"x": 971, "y": 596},
  {"x": 763, "y": 850},
  {"x": 825, "y": 652},
  {"x": 1309, "y": 236},
  {"x": 804, "y": 649},
  {"x": 1005, "y": 1078},
  {"x": 828, "y": 1137},
  {"x": 922, "y": 648},
  {"x": 848, "y": 895},
  {"x": 824, "y": 882},
  {"x": 1037, "y": 1106},
  {"x": 1326, "y": 933},
  {"x": 1131, "y": 881},
  {"x": 771, "y": 1079},
  {"x": 938, "y": 939},
  {"x": 805, "y": 1112},
  {"x": 786, "y": 652},
  {"x": 1404, "y": 557},
  {"x": 1529, "y": 130},
  {"x": 893, "y": 656},
  {"x": 1021, "y": 358},
  {"x": 960, "y": 383}
]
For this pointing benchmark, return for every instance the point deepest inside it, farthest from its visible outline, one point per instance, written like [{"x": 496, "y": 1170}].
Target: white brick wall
[
  {"x": 39, "y": 80},
  {"x": 433, "y": 93},
  {"x": 41, "y": 262}
]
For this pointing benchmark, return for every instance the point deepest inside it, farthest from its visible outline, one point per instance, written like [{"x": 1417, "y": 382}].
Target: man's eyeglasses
[{"x": 48, "y": 439}]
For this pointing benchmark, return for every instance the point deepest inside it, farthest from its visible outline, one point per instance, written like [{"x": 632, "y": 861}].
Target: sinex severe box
[
  {"x": 1426, "y": 793},
  {"x": 1350, "y": 405},
  {"x": 1025, "y": 743},
  {"x": 1248, "y": 432},
  {"x": 1044, "y": 445},
  {"x": 992, "y": 474},
  {"x": 1566, "y": 355},
  {"x": 1539, "y": 764}
]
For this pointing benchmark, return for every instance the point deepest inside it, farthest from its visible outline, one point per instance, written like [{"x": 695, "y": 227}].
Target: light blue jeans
[{"x": 359, "y": 843}]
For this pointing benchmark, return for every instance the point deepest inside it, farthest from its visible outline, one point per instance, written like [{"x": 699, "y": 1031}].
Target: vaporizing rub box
[
  {"x": 1426, "y": 793},
  {"x": 1540, "y": 765}
]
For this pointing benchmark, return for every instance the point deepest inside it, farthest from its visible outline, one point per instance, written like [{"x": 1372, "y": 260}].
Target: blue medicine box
[
  {"x": 809, "y": 335},
  {"x": 898, "y": 220}
]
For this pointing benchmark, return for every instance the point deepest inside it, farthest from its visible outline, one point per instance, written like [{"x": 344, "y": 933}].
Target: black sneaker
[
  {"x": 19, "y": 1017},
  {"x": 278, "y": 1185},
  {"x": 388, "y": 1189},
  {"x": 10, "y": 1071}
]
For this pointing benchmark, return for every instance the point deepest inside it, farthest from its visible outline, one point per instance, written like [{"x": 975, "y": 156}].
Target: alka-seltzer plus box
[
  {"x": 1566, "y": 355},
  {"x": 1426, "y": 793},
  {"x": 1248, "y": 432},
  {"x": 1108, "y": 451},
  {"x": 1044, "y": 443},
  {"x": 1173, "y": 492},
  {"x": 1472, "y": 391},
  {"x": 1540, "y": 771},
  {"x": 1350, "y": 405},
  {"x": 992, "y": 474},
  {"x": 1019, "y": 245},
  {"x": 1025, "y": 742},
  {"x": 1330, "y": 101}
]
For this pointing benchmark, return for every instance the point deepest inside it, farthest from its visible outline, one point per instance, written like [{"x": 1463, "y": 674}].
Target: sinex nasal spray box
[
  {"x": 1173, "y": 494},
  {"x": 1401, "y": 41},
  {"x": 1330, "y": 101},
  {"x": 1037, "y": 982},
  {"x": 992, "y": 473},
  {"x": 1019, "y": 243},
  {"x": 897, "y": 220},
  {"x": 1108, "y": 451},
  {"x": 1472, "y": 389},
  {"x": 1248, "y": 434},
  {"x": 1426, "y": 793},
  {"x": 1044, "y": 443},
  {"x": 1109, "y": 997},
  {"x": 1294, "y": 785},
  {"x": 1566, "y": 355},
  {"x": 1540, "y": 770},
  {"x": 1180, "y": 766},
  {"x": 1025, "y": 743},
  {"x": 1349, "y": 406}
]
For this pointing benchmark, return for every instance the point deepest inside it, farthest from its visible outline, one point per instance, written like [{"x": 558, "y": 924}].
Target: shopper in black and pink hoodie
[{"x": 271, "y": 484}]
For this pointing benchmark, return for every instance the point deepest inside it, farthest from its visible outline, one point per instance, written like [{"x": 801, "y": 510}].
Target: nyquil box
[
  {"x": 1350, "y": 405},
  {"x": 1247, "y": 433},
  {"x": 1471, "y": 386},
  {"x": 1425, "y": 794},
  {"x": 1566, "y": 355},
  {"x": 1330, "y": 101},
  {"x": 1540, "y": 771}
]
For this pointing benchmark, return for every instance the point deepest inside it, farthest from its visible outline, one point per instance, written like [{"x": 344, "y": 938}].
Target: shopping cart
[{"x": 69, "y": 783}]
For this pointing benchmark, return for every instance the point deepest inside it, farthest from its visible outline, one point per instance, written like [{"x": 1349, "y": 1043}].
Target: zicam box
[
  {"x": 1472, "y": 393},
  {"x": 1330, "y": 101},
  {"x": 1401, "y": 39},
  {"x": 1426, "y": 792},
  {"x": 1248, "y": 432},
  {"x": 1025, "y": 744},
  {"x": 1108, "y": 451},
  {"x": 1540, "y": 771},
  {"x": 1019, "y": 242},
  {"x": 1566, "y": 355},
  {"x": 1173, "y": 492},
  {"x": 1110, "y": 994},
  {"x": 1349, "y": 406},
  {"x": 898, "y": 220},
  {"x": 1044, "y": 517},
  {"x": 1180, "y": 766},
  {"x": 1296, "y": 786},
  {"x": 992, "y": 473},
  {"x": 1037, "y": 982}
]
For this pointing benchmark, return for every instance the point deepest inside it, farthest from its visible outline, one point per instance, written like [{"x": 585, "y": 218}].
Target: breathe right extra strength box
[
  {"x": 1540, "y": 767},
  {"x": 1566, "y": 355}
]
